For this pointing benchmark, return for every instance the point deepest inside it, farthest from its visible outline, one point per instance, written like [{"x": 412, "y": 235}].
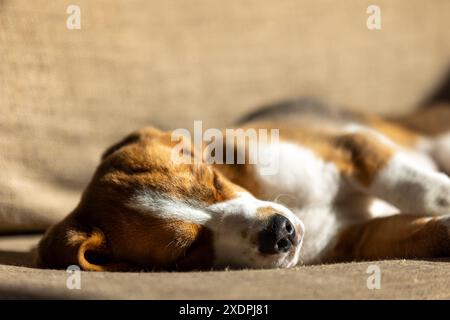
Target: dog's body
[
  {"x": 353, "y": 168},
  {"x": 348, "y": 187}
]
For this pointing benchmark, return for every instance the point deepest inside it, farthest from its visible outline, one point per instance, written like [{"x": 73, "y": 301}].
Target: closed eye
[{"x": 216, "y": 182}]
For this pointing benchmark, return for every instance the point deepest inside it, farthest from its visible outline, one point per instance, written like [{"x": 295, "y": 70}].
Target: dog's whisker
[{"x": 277, "y": 198}]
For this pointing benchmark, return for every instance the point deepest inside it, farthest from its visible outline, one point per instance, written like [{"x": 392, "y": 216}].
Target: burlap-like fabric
[
  {"x": 399, "y": 279},
  {"x": 65, "y": 95}
]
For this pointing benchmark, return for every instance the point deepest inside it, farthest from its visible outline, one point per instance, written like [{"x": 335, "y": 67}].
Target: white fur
[
  {"x": 165, "y": 207},
  {"x": 302, "y": 176},
  {"x": 379, "y": 208},
  {"x": 321, "y": 224},
  {"x": 307, "y": 185},
  {"x": 411, "y": 188},
  {"x": 441, "y": 152}
]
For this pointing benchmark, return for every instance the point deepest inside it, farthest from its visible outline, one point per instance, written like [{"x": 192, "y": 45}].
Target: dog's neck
[{"x": 243, "y": 174}]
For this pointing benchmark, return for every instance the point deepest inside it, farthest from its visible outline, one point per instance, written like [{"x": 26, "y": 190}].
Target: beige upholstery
[
  {"x": 65, "y": 95},
  {"x": 400, "y": 279}
]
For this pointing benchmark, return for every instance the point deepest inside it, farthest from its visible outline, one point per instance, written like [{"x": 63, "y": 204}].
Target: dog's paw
[
  {"x": 436, "y": 196},
  {"x": 441, "y": 152}
]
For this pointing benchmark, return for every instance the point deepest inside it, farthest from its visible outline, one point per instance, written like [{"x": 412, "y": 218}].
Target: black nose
[{"x": 278, "y": 236}]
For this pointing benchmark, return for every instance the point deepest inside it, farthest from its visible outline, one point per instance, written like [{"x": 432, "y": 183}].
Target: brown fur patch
[
  {"x": 364, "y": 156},
  {"x": 398, "y": 236}
]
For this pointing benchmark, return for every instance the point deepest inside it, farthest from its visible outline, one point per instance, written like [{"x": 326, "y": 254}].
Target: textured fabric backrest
[{"x": 65, "y": 95}]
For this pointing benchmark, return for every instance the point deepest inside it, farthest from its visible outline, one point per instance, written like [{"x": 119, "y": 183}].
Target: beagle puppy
[{"x": 348, "y": 187}]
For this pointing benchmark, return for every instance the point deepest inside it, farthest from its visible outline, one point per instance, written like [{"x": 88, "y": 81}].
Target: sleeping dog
[{"x": 348, "y": 187}]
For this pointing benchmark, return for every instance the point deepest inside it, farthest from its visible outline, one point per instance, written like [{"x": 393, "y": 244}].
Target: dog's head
[{"x": 144, "y": 211}]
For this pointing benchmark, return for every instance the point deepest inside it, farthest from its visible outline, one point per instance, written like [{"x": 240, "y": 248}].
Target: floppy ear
[
  {"x": 200, "y": 254},
  {"x": 133, "y": 137},
  {"x": 68, "y": 244}
]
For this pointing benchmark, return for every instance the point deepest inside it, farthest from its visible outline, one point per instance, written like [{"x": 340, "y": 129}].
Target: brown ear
[
  {"x": 130, "y": 139},
  {"x": 66, "y": 244},
  {"x": 200, "y": 255}
]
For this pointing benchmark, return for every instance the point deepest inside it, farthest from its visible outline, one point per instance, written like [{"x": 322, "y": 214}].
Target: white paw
[
  {"x": 437, "y": 196},
  {"x": 441, "y": 152}
]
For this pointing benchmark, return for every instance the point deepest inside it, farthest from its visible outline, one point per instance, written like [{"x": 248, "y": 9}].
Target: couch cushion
[
  {"x": 66, "y": 94},
  {"x": 400, "y": 279}
]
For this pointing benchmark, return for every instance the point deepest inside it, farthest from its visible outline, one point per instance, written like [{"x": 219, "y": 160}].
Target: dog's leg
[
  {"x": 440, "y": 152},
  {"x": 398, "y": 236},
  {"x": 377, "y": 167}
]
